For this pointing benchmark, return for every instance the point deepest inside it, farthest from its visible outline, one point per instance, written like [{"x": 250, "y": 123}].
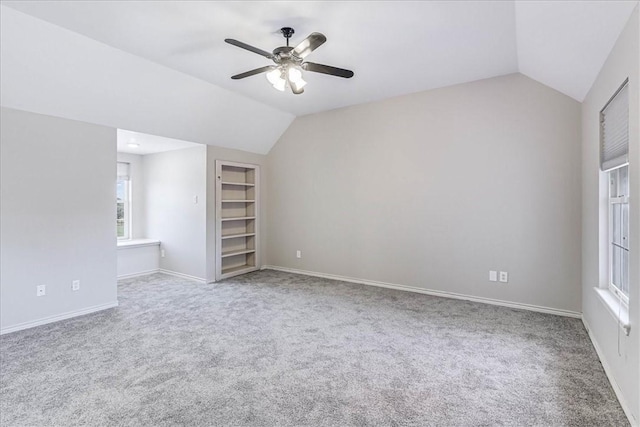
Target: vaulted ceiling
[{"x": 394, "y": 47}]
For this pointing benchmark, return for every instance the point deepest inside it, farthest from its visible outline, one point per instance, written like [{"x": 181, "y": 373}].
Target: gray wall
[
  {"x": 57, "y": 216},
  {"x": 434, "y": 189},
  {"x": 621, "y": 354},
  {"x": 136, "y": 172},
  {"x": 217, "y": 153},
  {"x": 172, "y": 179}
]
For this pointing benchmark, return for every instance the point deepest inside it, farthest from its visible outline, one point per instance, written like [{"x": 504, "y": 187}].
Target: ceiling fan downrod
[{"x": 287, "y": 32}]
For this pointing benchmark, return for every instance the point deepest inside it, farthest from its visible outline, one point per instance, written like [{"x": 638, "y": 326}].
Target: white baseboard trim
[
  {"x": 522, "y": 306},
  {"x": 57, "y": 318},
  {"x": 141, "y": 273},
  {"x": 182, "y": 275},
  {"x": 607, "y": 370}
]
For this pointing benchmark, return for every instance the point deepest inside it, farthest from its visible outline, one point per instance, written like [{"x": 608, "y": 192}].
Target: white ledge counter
[{"x": 137, "y": 257}]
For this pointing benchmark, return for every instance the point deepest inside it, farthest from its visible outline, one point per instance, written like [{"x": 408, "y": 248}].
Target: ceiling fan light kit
[
  {"x": 287, "y": 76},
  {"x": 287, "y": 73}
]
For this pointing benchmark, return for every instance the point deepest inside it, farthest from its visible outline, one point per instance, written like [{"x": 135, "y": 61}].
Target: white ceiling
[
  {"x": 50, "y": 70},
  {"x": 394, "y": 47},
  {"x": 563, "y": 44},
  {"x": 149, "y": 144}
]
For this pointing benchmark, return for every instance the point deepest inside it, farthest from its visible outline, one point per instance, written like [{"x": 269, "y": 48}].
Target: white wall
[
  {"x": 50, "y": 70},
  {"x": 56, "y": 217},
  {"x": 217, "y": 153},
  {"x": 433, "y": 190},
  {"x": 623, "y": 362},
  {"x": 134, "y": 260},
  {"x": 137, "y": 196},
  {"x": 172, "y": 180}
]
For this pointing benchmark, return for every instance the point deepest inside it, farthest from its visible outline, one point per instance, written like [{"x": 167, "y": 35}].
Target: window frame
[{"x": 611, "y": 166}]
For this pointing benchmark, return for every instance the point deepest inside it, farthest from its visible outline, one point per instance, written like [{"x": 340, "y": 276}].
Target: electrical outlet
[
  {"x": 41, "y": 290},
  {"x": 493, "y": 276},
  {"x": 504, "y": 276},
  {"x": 298, "y": 254},
  {"x": 75, "y": 285},
  {"x": 161, "y": 253}
]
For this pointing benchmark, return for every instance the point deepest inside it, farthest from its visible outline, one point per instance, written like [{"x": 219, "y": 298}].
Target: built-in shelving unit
[{"x": 237, "y": 218}]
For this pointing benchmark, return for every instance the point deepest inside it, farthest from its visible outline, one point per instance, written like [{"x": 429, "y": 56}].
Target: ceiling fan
[{"x": 289, "y": 62}]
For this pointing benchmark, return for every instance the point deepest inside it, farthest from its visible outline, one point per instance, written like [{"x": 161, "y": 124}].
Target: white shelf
[
  {"x": 237, "y": 252},
  {"x": 232, "y": 271},
  {"x": 238, "y": 201},
  {"x": 243, "y": 184},
  {"x": 237, "y": 218},
  {"x": 233, "y": 236},
  {"x": 137, "y": 243}
]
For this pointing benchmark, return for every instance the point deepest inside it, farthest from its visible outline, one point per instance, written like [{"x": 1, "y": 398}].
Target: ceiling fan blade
[
  {"x": 309, "y": 44},
  {"x": 327, "y": 69},
  {"x": 253, "y": 72},
  {"x": 249, "y": 48}
]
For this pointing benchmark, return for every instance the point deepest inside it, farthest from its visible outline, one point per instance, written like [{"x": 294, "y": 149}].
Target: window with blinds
[
  {"x": 614, "y": 130},
  {"x": 614, "y": 160}
]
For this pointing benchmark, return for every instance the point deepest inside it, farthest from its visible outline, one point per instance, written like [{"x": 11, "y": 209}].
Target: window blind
[
  {"x": 614, "y": 131},
  {"x": 123, "y": 171}
]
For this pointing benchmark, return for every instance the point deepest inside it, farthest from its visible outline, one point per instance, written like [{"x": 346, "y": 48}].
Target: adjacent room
[
  {"x": 320, "y": 213},
  {"x": 154, "y": 214}
]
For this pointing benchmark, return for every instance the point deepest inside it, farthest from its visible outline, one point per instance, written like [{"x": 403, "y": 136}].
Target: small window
[
  {"x": 123, "y": 210},
  {"x": 614, "y": 161}
]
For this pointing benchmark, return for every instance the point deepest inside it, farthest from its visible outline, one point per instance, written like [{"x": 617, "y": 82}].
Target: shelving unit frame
[{"x": 237, "y": 218}]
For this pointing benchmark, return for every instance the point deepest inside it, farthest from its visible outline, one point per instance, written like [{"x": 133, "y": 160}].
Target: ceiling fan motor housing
[{"x": 283, "y": 54}]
